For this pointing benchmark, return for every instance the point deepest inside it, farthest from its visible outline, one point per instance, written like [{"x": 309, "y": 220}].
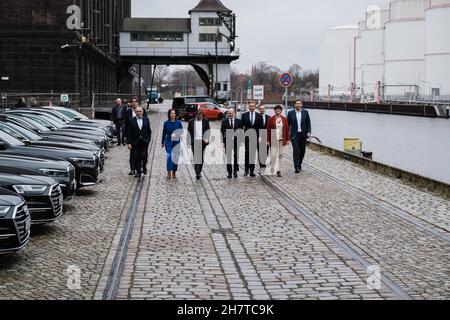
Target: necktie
[{"x": 232, "y": 123}]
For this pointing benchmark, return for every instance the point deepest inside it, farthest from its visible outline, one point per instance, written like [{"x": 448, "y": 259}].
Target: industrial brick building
[{"x": 39, "y": 54}]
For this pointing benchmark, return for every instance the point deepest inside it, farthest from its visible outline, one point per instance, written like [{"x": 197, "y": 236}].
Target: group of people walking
[
  {"x": 263, "y": 136},
  {"x": 133, "y": 129},
  {"x": 273, "y": 134}
]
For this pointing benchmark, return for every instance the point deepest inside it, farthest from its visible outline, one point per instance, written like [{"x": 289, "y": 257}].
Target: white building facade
[{"x": 205, "y": 40}]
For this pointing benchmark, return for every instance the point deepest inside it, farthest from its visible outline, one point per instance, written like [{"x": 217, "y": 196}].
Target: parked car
[
  {"x": 211, "y": 111},
  {"x": 62, "y": 171},
  {"x": 17, "y": 133},
  {"x": 15, "y": 222},
  {"x": 77, "y": 116},
  {"x": 87, "y": 164},
  {"x": 179, "y": 103},
  {"x": 42, "y": 194}
]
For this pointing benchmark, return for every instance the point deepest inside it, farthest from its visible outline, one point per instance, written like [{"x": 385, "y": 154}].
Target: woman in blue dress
[{"x": 171, "y": 137}]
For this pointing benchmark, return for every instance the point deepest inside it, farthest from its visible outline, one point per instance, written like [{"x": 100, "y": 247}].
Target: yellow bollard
[{"x": 353, "y": 145}]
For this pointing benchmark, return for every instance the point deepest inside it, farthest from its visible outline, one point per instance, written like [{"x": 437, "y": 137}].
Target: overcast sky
[{"x": 279, "y": 32}]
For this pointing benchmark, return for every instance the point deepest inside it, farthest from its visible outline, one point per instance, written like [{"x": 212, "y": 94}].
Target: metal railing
[
  {"x": 173, "y": 52},
  {"x": 9, "y": 100}
]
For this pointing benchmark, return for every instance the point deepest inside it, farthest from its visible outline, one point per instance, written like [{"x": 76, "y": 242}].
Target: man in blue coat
[{"x": 300, "y": 125}]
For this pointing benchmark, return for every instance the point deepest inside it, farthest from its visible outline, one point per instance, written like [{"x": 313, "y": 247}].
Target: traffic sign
[
  {"x": 258, "y": 92},
  {"x": 64, "y": 98},
  {"x": 286, "y": 79}
]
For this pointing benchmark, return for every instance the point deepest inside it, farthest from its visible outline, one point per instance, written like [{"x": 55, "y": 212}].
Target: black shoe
[
  {"x": 246, "y": 174},
  {"x": 235, "y": 175},
  {"x": 229, "y": 176},
  {"x": 263, "y": 166},
  {"x": 198, "y": 177},
  {"x": 252, "y": 175},
  {"x": 131, "y": 173},
  {"x": 145, "y": 172},
  {"x": 297, "y": 171}
]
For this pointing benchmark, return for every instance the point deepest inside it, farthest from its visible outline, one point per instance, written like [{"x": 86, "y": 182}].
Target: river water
[{"x": 414, "y": 144}]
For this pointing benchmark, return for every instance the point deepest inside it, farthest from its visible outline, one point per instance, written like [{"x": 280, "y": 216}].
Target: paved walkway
[
  {"x": 240, "y": 239},
  {"x": 323, "y": 234}
]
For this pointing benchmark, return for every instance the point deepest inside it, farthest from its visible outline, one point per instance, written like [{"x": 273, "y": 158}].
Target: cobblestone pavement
[
  {"x": 421, "y": 204},
  {"x": 80, "y": 238},
  {"x": 239, "y": 239},
  {"x": 417, "y": 261},
  {"x": 221, "y": 239}
]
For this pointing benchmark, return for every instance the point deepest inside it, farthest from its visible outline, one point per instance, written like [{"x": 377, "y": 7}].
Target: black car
[
  {"x": 62, "y": 171},
  {"x": 30, "y": 135},
  {"x": 76, "y": 116},
  {"x": 74, "y": 124},
  {"x": 18, "y": 133},
  {"x": 43, "y": 131},
  {"x": 87, "y": 165},
  {"x": 42, "y": 193},
  {"x": 15, "y": 222}
]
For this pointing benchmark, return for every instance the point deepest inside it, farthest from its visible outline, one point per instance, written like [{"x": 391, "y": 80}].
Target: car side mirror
[
  {"x": 78, "y": 118},
  {"x": 2, "y": 145}
]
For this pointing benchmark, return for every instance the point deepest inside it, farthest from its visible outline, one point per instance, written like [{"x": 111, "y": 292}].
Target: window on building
[
  {"x": 156, "y": 36},
  {"x": 218, "y": 86},
  {"x": 210, "y": 22},
  {"x": 225, "y": 87},
  {"x": 209, "y": 37}
]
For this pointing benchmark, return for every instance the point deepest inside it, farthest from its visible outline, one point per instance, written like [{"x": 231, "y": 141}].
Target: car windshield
[
  {"x": 25, "y": 132},
  {"x": 72, "y": 114},
  {"x": 30, "y": 123},
  {"x": 8, "y": 139},
  {"x": 40, "y": 120},
  {"x": 6, "y": 128},
  {"x": 53, "y": 120}
]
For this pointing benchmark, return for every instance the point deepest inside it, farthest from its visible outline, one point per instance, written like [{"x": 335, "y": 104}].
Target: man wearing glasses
[
  {"x": 131, "y": 113},
  {"x": 138, "y": 140}
]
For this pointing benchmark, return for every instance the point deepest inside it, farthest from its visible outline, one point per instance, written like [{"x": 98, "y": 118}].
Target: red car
[{"x": 210, "y": 110}]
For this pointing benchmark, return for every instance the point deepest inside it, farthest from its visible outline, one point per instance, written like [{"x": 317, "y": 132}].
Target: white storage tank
[
  {"x": 404, "y": 48},
  {"x": 337, "y": 60},
  {"x": 358, "y": 76},
  {"x": 437, "y": 48},
  {"x": 372, "y": 42}
]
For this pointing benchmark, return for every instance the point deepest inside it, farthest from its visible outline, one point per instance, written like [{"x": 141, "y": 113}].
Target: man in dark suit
[
  {"x": 198, "y": 139},
  {"x": 230, "y": 138},
  {"x": 252, "y": 122},
  {"x": 262, "y": 145},
  {"x": 300, "y": 125},
  {"x": 130, "y": 114},
  {"x": 118, "y": 114},
  {"x": 138, "y": 139}
]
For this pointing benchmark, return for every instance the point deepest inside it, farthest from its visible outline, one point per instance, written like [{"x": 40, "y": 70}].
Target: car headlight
[
  {"x": 55, "y": 173},
  {"x": 4, "y": 210},
  {"x": 84, "y": 162},
  {"x": 26, "y": 189}
]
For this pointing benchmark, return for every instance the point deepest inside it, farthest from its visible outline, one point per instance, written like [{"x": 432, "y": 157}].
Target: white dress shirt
[
  {"x": 133, "y": 113},
  {"x": 299, "y": 120},
  {"x": 140, "y": 122},
  {"x": 252, "y": 118},
  {"x": 198, "y": 129}
]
